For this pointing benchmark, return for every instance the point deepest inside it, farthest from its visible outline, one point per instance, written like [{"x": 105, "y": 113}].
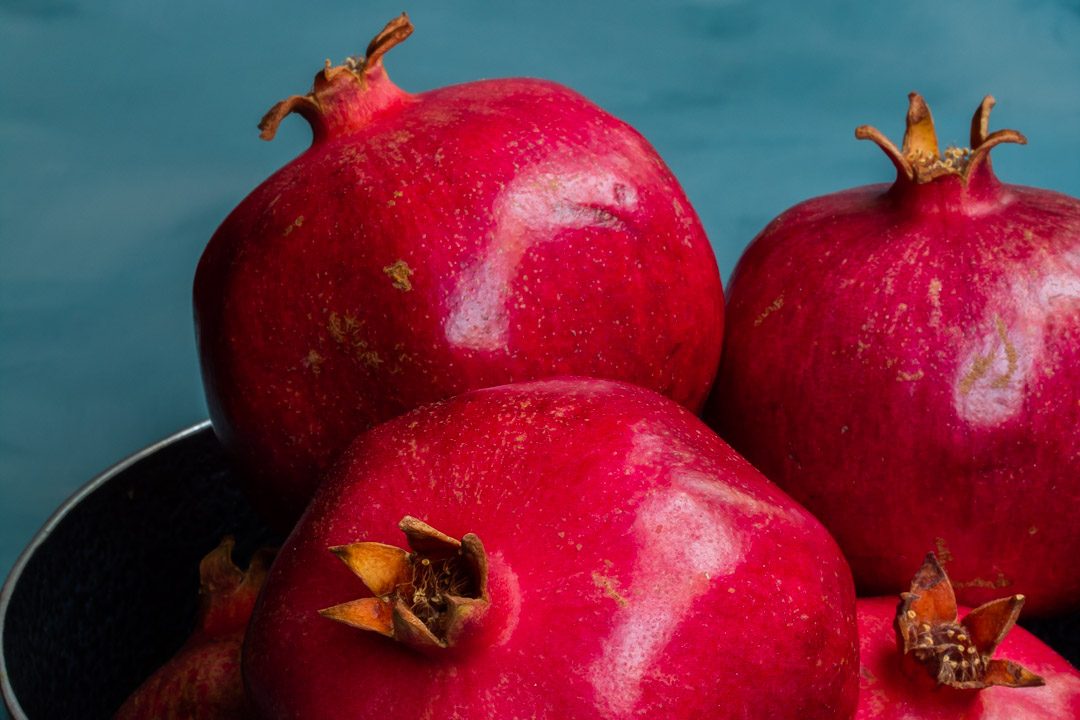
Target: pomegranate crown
[
  {"x": 920, "y": 160},
  {"x": 424, "y": 598},
  {"x": 957, "y": 653},
  {"x": 355, "y": 73},
  {"x": 226, "y": 592}
]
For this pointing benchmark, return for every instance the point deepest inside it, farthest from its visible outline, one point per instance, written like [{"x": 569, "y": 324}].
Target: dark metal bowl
[{"x": 107, "y": 590}]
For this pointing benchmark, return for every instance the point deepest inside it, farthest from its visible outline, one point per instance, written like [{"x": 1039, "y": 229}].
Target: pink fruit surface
[
  {"x": 202, "y": 681},
  {"x": 904, "y": 360},
  {"x": 426, "y": 244},
  {"x": 635, "y": 567},
  {"x": 995, "y": 670}
]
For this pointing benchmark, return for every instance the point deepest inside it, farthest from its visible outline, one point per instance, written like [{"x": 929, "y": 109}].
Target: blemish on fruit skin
[
  {"x": 1002, "y": 381},
  {"x": 934, "y": 292},
  {"x": 343, "y": 328},
  {"x": 295, "y": 224},
  {"x": 776, "y": 305},
  {"x": 399, "y": 273},
  {"x": 370, "y": 358},
  {"x": 979, "y": 368},
  {"x": 313, "y": 361},
  {"x": 999, "y": 582},
  {"x": 942, "y": 551},
  {"x": 982, "y": 363},
  {"x": 903, "y": 376},
  {"x": 345, "y": 331},
  {"x": 607, "y": 585}
]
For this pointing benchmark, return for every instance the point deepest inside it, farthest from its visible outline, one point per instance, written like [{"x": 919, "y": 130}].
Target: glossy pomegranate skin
[
  {"x": 473, "y": 235},
  {"x": 887, "y": 693},
  {"x": 639, "y": 568},
  {"x": 904, "y": 361}
]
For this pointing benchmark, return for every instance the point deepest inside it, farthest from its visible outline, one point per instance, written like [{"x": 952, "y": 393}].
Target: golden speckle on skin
[
  {"x": 295, "y": 224},
  {"x": 981, "y": 365},
  {"x": 1002, "y": 381},
  {"x": 370, "y": 358},
  {"x": 399, "y": 273},
  {"x": 999, "y": 582},
  {"x": 776, "y": 305},
  {"x": 903, "y": 376},
  {"x": 336, "y": 327},
  {"x": 607, "y": 585},
  {"x": 979, "y": 368},
  {"x": 934, "y": 293},
  {"x": 313, "y": 361},
  {"x": 942, "y": 550},
  {"x": 346, "y": 332}
]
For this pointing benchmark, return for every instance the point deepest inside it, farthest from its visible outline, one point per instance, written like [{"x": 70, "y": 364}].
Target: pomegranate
[
  {"x": 564, "y": 548},
  {"x": 904, "y": 359},
  {"x": 427, "y": 244},
  {"x": 920, "y": 663},
  {"x": 202, "y": 681}
]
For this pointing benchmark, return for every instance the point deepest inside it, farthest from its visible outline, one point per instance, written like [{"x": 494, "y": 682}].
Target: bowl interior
[{"x": 108, "y": 590}]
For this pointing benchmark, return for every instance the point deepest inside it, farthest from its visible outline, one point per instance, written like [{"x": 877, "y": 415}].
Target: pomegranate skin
[
  {"x": 469, "y": 236},
  {"x": 202, "y": 680},
  {"x": 904, "y": 361},
  {"x": 886, "y": 692},
  {"x": 639, "y": 567}
]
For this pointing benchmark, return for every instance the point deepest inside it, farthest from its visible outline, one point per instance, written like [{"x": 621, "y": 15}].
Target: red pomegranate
[
  {"x": 202, "y": 681},
  {"x": 904, "y": 360},
  {"x": 920, "y": 663},
  {"x": 427, "y": 244},
  {"x": 565, "y": 548}
]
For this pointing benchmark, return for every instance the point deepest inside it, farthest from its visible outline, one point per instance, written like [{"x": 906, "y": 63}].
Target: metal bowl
[{"x": 107, "y": 589}]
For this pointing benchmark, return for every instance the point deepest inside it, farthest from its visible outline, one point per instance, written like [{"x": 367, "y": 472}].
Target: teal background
[{"x": 127, "y": 132}]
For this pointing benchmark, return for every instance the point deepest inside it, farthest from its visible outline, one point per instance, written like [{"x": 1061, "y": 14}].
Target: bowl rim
[{"x": 54, "y": 520}]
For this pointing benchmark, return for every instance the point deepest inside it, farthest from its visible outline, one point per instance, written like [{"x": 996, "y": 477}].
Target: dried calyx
[
  {"x": 958, "y": 654},
  {"x": 424, "y": 598},
  {"x": 920, "y": 160},
  {"x": 227, "y": 594},
  {"x": 355, "y": 71}
]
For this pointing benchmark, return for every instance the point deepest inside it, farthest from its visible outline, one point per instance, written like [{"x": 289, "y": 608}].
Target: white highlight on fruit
[
  {"x": 684, "y": 548},
  {"x": 532, "y": 210},
  {"x": 996, "y": 369}
]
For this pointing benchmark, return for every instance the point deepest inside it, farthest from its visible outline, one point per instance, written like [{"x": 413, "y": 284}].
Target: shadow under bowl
[{"x": 108, "y": 588}]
